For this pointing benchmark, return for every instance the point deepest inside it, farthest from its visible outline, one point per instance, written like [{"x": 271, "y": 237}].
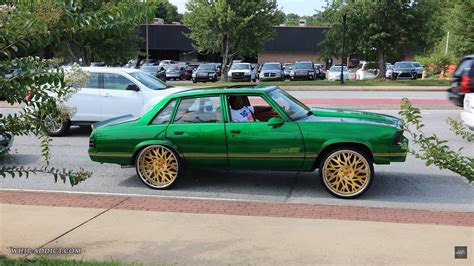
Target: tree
[
  {"x": 38, "y": 84},
  {"x": 460, "y": 24},
  {"x": 168, "y": 12},
  {"x": 231, "y": 27},
  {"x": 382, "y": 28},
  {"x": 114, "y": 44}
]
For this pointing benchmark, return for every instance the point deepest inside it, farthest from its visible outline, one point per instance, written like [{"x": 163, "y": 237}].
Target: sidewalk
[{"x": 188, "y": 231}]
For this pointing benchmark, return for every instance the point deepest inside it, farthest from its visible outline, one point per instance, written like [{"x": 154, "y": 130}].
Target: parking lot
[{"x": 408, "y": 185}]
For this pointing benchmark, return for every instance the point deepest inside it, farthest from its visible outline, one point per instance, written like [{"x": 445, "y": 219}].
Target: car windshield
[
  {"x": 302, "y": 66},
  {"x": 337, "y": 69},
  {"x": 240, "y": 66},
  {"x": 295, "y": 109},
  {"x": 206, "y": 67},
  {"x": 403, "y": 65},
  {"x": 149, "y": 80},
  {"x": 271, "y": 67}
]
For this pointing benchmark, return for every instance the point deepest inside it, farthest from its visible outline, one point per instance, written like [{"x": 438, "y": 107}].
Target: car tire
[
  {"x": 56, "y": 127},
  {"x": 339, "y": 176},
  {"x": 194, "y": 81},
  {"x": 158, "y": 166}
]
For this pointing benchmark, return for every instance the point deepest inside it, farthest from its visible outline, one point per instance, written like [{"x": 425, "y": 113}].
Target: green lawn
[
  {"x": 61, "y": 262},
  {"x": 333, "y": 83}
]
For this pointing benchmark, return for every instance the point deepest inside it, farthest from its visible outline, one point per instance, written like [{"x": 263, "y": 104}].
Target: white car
[
  {"x": 334, "y": 73},
  {"x": 242, "y": 72},
  {"x": 111, "y": 92},
  {"x": 467, "y": 116}
]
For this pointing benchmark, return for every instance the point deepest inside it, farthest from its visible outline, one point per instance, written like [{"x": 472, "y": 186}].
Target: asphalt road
[{"x": 400, "y": 185}]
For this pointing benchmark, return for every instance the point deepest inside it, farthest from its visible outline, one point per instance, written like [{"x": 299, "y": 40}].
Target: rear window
[{"x": 464, "y": 67}]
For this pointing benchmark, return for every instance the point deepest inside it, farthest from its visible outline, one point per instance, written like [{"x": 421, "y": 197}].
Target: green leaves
[{"x": 435, "y": 151}]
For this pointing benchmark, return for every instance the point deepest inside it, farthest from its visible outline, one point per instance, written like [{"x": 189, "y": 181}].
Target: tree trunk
[
  {"x": 382, "y": 68},
  {"x": 72, "y": 57},
  {"x": 225, "y": 58}
]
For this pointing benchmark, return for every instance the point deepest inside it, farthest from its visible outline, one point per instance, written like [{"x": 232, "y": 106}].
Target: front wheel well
[{"x": 359, "y": 146}]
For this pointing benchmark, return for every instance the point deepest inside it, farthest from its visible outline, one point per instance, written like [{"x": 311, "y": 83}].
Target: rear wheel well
[{"x": 359, "y": 146}]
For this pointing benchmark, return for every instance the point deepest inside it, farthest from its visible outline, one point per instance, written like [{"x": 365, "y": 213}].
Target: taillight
[{"x": 466, "y": 84}]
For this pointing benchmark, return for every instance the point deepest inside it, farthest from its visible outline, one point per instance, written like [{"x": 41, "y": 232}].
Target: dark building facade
[{"x": 291, "y": 43}]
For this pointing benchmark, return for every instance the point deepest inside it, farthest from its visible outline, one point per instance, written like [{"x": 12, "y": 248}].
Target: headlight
[
  {"x": 247, "y": 73},
  {"x": 193, "y": 75},
  {"x": 311, "y": 72},
  {"x": 292, "y": 73}
]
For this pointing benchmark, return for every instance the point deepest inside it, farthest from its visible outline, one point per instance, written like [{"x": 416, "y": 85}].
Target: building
[{"x": 291, "y": 43}]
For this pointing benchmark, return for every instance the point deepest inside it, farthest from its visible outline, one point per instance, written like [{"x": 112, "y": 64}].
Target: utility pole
[
  {"x": 447, "y": 43},
  {"x": 341, "y": 81}
]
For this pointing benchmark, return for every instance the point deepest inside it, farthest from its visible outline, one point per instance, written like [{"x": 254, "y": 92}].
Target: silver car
[
  {"x": 271, "y": 71},
  {"x": 173, "y": 72}
]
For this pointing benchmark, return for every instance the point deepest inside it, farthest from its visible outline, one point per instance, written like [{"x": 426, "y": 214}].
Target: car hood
[
  {"x": 353, "y": 116},
  {"x": 206, "y": 71},
  {"x": 403, "y": 69},
  {"x": 270, "y": 71},
  {"x": 239, "y": 70}
]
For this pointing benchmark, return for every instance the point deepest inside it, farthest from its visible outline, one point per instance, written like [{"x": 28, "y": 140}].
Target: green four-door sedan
[{"x": 260, "y": 127}]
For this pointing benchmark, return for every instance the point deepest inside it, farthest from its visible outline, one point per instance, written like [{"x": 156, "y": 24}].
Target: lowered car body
[{"x": 198, "y": 129}]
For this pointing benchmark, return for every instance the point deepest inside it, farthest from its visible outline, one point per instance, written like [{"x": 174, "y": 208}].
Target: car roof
[
  {"x": 259, "y": 89},
  {"x": 111, "y": 69}
]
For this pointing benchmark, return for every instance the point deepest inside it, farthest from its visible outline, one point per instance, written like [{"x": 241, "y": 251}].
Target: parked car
[
  {"x": 388, "y": 71},
  {"x": 418, "y": 69},
  {"x": 463, "y": 80},
  {"x": 205, "y": 73},
  {"x": 367, "y": 70},
  {"x": 157, "y": 71},
  {"x": 287, "y": 67},
  {"x": 166, "y": 62},
  {"x": 320, "y": 71},
  {"x": 467, "y": 116},
  {"x": 242, "y": 72},
  {"x": 251, "y": 128},
  {"x": 302, "y": 70},
  {"x": 173, "y": 72},
  {"x": 404, "y": 70},
  {"x": 111, "y": 92},
  {"x": 334, "y": 73},
  {"x": 271, "y": 71},
  {"x": 97, "y": 64}
]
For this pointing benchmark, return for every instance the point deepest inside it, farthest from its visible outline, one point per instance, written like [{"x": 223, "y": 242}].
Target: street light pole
[{"x": 341, "y": 81}]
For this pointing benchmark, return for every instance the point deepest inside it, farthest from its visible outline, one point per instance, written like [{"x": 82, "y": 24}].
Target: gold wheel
[
  {"x": 157, "y": 166},
  {"x": 346, "y": 173}
]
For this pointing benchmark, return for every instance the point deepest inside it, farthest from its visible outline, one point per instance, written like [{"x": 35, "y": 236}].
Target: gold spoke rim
[
  {"x": 158, "y": 166},
  {"x": 346, "y": 172}
]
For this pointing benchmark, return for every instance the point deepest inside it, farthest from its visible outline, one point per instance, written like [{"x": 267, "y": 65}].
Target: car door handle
[
  {"x": 178, "y": 132},
  {"x": 107, "y": 95},
  {"x": 235, "y": 131}
]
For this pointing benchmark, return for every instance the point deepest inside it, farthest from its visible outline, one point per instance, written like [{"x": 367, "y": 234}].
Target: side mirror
[
  {"x": 132, "y": 87},
  {"x": 275, "y": 122}
]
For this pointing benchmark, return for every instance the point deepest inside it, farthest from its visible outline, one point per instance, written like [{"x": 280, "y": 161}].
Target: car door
[
  {"x": 256, "y": 144},
  {"x": 198, "y": 131},
  {"x": 87, "y": 101},
  {"x": 116, "y": 100}
]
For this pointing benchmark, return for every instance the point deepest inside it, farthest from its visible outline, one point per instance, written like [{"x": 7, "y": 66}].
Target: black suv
[
  {"x": 302, "y": 70},
  {"x": 206, "y": 72},
  {"x": 463, "y": 80}
]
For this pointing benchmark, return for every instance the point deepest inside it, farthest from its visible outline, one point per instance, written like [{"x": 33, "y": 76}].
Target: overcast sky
[{"x": 300, "y": 7}]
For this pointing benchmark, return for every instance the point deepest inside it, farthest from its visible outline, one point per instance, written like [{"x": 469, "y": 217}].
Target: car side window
[
  {"x": 164, "y": 116},
  {"x": 93, "y": 82},
  {"x": 464, "y": 67},
  {"x": 199, "y": 110},
  {"x": 115, "y": 82},
  {"x": 250, "y": 109}
]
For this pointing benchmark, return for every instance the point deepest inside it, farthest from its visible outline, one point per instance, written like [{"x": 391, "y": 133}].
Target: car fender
[
  {"x": 163, "y": 142},
  {"x": 347, "y": 140}
]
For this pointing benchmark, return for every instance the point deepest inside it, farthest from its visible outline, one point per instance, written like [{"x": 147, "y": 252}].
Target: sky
[{"x": 300, "y": 7}]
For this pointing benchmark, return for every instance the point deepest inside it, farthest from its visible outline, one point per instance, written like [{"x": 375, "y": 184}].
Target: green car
[{"x": 258, "y": 128}]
